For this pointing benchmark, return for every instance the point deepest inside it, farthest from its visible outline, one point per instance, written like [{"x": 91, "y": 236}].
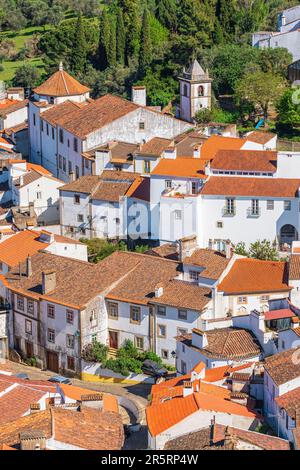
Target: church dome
[{"x": 61, "y": 84}]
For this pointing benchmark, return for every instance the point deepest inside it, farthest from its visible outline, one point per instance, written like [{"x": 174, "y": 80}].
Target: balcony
[
  {"x": 228, "y": 212},
  {"x": 254, "y": 213}
]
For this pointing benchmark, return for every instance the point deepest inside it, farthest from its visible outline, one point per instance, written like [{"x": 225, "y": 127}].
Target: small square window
[
  {"x": 113, "y": 311},
  {"x": 51, "y": 336},
  {"x": 165, "y": 354},
  {"x": 28, "y": 327},
  {"x": 178, "y": 215},
  {"x": 182, "y": 314},
  {"x": 70, "y": 341},
  {"x": 93, "y": 318},
  {"x": 70, "y": 317},
  {"x": 51, "y": 311},
  {"x": 270, "y": 205},
  {"x": 242, "y": 300},
  {"x": 139, "y": 342},
  {"x": 161, "y": 310},
  {"x": 79, "y": 218},
  {"x": 20, "y": 303},
  {"x": 168, "y": 184},
  {"x": 141, "y": 126},
  {"x": 287, "y": 205},
  {"x": 161, "y": 331},
  {"x": 76, "y": 199},
  {"x": 219, "y": 224},
  {"x": 194, "y": 275}
]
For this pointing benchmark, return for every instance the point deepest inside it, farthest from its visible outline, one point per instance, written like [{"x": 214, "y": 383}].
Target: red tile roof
[
  {"x": 245, "y": 160},
  {"x": 215, "y": 143},
  {"x": 278, "y": 314},
  {"x": 253, "y": 276},
  {"x": 180, "y": 167},
  {"x": 16, "y": 249},
  {"x": 16, "y": 403},
  {"x": 258, "y": 187},
  {"x": 61, "y": 84},
  {"x": 283, "y": 367},
  {"x": 260, "y": 137}
]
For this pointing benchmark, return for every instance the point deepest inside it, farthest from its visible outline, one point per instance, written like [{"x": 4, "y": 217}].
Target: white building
[
  {"x": 64, "y": 124},
  {"x": 287, "y": 34}
]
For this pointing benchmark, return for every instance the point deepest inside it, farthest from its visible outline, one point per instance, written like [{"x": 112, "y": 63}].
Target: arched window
[{"x": 201, "y": 90}]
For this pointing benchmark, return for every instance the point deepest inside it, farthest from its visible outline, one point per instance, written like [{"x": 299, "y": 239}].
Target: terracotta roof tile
[
  {"x": 61, "y": 84},
  {"x": 58, "y": 114},
  {"x": 216, "y": 143},
  {"x": 16, "y": 249},
  {"x": 168, "y": 251},
  {"x": 155, "y": 147},
  {"x": 181, "y": 294},
  {"x": 16, "y": 403},
  {"x": 109, "y": 191},
  {"x": 11, "y": 106},
  {"x": 283, "y": 367},
  {"x": 180, "y": 167},
  {"x": 245, "y": 160},
  {"x": 251, "y": 276},
  {"x": 258, "y": 187},
  {"x": 290, "y": 401},
  {"x": 260, "y": 137},
  {"x": 294, "y": 267},
  {"x": 140, "y": 189},
  {"x": 212, "y": 262}
]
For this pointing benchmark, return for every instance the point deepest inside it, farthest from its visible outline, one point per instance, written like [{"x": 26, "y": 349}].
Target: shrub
[
  {"x": 128, "y": 350},
  {"x": 95, "y": 352},
  {"x": 123, "y": 365},
  {"x": 31, "y": 361},
  {"x": 150, "y": 356}
]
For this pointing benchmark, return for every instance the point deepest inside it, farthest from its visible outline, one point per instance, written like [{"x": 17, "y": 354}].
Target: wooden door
[
  {"x": 29, "y": 349},
  {"x": 113, "y": 340},
  {"x": 52, "y": 361}
]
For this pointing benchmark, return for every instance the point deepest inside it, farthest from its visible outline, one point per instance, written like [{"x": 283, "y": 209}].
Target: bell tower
[{"x": 195, "y": 91}]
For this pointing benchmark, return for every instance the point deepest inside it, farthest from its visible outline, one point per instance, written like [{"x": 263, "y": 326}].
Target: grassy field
[{"x": 20, "y": 38}]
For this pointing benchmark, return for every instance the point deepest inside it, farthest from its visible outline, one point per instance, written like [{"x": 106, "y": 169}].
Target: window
[
  {"x": 182, "y": 331},
  {"x": 70, "y": 167},
  {"x": 141, "y": 126},
  {"x": 70, "y": 363},
  {"x": 70, "y": 317},
  {"x": 139, "y": 342},
  {"x": 283, "y": 344},
  {"x": 70, "y": 341},
  {"x": 168, "y": 184},
  {"x": 20, "y": 303},
  {"x": 264, "y": 298},
  {"x": 94, "y": 338},
  {"x": 79, "y": 218},
  {"x": 255, "y": 207},
  {"x": 185, "y": 90},
  {"x": 60, "y": 162},
  {"x": 135, "y": 314},
  {"x": 53, "y": 135},
  {"x": 161, "y": 331},
  {"x": 51, "y": 311},
  {"x": 34, "y": 120},
  {"x": 178, "y": 215},
  {"x": 165, "y": 354},
  {"x": 47, "y": 128},
  {"x": 68, "y": 143},
  {"x": 230, "y": 206},
  {"x": 270, "y": 205},
  {"x": 61, "y": 136},
  {"x": 194, "y": 187},
  {"x": 287, "y": 205},
  {"x": 93, "y": 318},
  {"x": 86, "y": 163},
  {"x": 30, "y": 306},
  {"x": 77, "y": 172},
  {"x": 182, "y": 314},
  {"x": 42, "y": 125},
  {"x": 242, "y": 300},
  {"x": 183, "y": 368},
  {"x": 51, "y": 336},
  {"x": 147, "y": 166},
  {"x": 75, "y": 145},
  {"x": 39, "y": 195},
  {"x": 117, "y": 221},
  {"x": 76, "y": 199},
  {"x": 28, "y": 327},
  {"x": 200, "y": 90},
  {"x": 113, "y": 310},
  {"x": 219, "y": 224},
  {"x": 64, "y": 165},
  {"x": 194, "y": 275},
  {"x": 161, "y": 310}
]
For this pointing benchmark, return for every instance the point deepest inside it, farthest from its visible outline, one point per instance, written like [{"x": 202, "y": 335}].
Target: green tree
[
  {"x": 260, "y": 89},
  {"x": 203, "y": 116},
  {"x": 145, "y": 56},
  {"x": 79, "y": 52},
  {"x": 26, "y": 76},
  {"x": 288, "y": 108},
  {"x": 166, "y": 13},
  {"x": 104, "y": 41},
  {"x": 226, "y": 15},
  {"x": 263, "y": 250},
  {"x": 121, "y": 38},
  {"x": 112, "y": 51},
  {"x": 130, "y": 10}
]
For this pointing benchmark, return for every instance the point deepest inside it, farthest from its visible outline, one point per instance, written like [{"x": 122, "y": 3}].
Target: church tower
[{"x": 195, "y": 91}]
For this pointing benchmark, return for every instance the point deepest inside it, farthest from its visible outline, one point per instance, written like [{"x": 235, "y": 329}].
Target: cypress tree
[
  {"x": 121, "y": 38},
  {"x": 104, "y": 41},
  {"x": 145, "y": 56},
  {"x": 166, "y": 11},
  {"x": 130, "y": 10},
  {"x": 79, "y": 52},
  {"x": 112, "y": 51}
]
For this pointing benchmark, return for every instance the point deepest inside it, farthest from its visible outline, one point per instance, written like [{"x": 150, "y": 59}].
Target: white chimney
[
  {"x": 229, "y": 249},
  {"x": 199, "y": 338},
  {"x": 139, "y": 95},
  {"x": 187, "y": 388},
  {"x": 159, "y": 291},
  {"x": 102, "y": 158}
]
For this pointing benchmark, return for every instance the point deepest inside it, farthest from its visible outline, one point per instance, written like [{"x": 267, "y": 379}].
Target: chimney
[
  {"x": 21, "y": 180},
  {"x": 139, "y": 95},
  {"x": 72, "y": 176},
  {"x": 229, "y": 250},
  {"x": 230, "y": 440},
  {"x": 48, "y": 282},
  {"x": 159, "y": 291},
  {"x": 32, "y": 440},
  {"x": 31, "y": 209},
  {"x": 187, "y": 246},
  {"x": 187, "y": 388},
  {"x": 28, "y": 267},
  {"x": 199, "y": 338}
]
